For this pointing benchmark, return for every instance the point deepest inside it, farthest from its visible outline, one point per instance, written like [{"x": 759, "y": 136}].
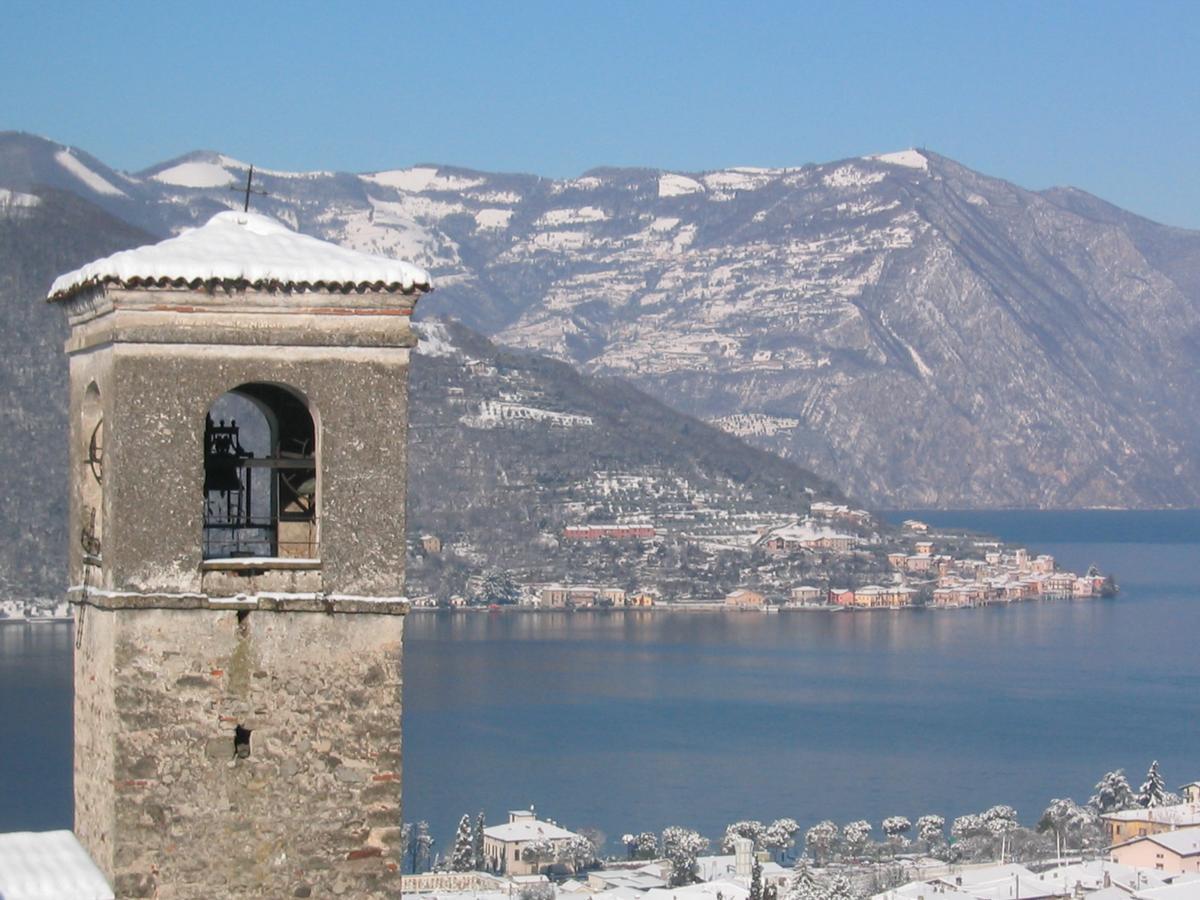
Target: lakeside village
[
  {"x": 1120, "y": 845},
  {"x": 927, "y": 568}
]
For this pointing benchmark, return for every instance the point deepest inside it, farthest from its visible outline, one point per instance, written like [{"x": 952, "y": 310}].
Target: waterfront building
[
  {"x": 744, "y": 599},
  {"x": 504, "y": 846},
  {"x": 805, "y": 594}
]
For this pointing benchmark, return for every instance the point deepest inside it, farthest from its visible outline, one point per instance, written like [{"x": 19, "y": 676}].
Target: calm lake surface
[{"x": 635, "y": 721}]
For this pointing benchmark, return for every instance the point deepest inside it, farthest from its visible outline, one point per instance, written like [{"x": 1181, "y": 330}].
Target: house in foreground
[{"x": 1174, "y": 852}]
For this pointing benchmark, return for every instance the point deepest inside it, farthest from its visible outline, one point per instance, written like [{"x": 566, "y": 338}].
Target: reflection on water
[{"x": 639, "y": 720}]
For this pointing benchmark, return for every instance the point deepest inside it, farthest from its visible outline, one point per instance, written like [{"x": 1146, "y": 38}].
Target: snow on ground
[
  {"x": 505, "y": 197},
  {"x": 493, "y": 413},
  {"x": 586, "y": 183},
  {"x": 385, "y": 230},
  {"x": 422, "y": 178},
  {"x": 14, "y": 199},
  {"x": 572, "y": 216},
  {"x": 195, "y": 175},
  {"x": 71, "y": 163},
  {"x": 684, "y": 238},
  {"x": 559, "y": 240},
  {"x": 434, "y": 339},
  {"x": 410, "y": 206},
  {"x": 754, "y": 424},
  {"x": 851, "y": 176},
  {"x": 664, "y": 223},
  {"x": 492, "y": 218},
  {"x": 740, "y": 179},
  {"x": 912, "y": 159},
  {"x": 672, "y": 185}
]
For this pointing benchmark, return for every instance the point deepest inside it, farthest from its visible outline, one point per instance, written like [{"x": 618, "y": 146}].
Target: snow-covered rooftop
[
  {"x": 250, "y": 248},
  {"x": 1185, "y": 841},
  {"x": 48, "y": 865},
  {"x": 527, "y": 830},
  {"x": 1179, "y": 815}
]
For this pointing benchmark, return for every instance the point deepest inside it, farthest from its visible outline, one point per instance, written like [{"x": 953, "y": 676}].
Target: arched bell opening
[
  {"x": 91, "y": 478},
  {"x": 260, "y": 475}
]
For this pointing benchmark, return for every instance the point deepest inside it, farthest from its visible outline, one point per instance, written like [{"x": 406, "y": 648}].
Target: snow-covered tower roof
[{"x": 247, "y": 250}]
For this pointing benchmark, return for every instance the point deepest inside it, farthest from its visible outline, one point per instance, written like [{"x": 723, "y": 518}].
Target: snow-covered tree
[
  {"x": 895, "y": 827},
  {"x": 781, "y": 836},
  {"x": 1067, "y": 821},
  {"x": 803, "y": 884},
  {"x": 577, "y": 852},
  {"x": 406, "y": 835},
  {"x": 1113, "y": 793},
  {"x": 681, "y": 846},
  {"x": 540, "y": 851},
  {"x": 596, "y": 838},
  {"x": 641, "y": 846},
  {"x": 420, "y": 847},
  {"x": 462, "y": 858},
  {"x": 838, "y": 888},
  {"x": 747, "y": 828},
  {"x": 856, "y": 835},
  {"x": 756, "y": 886},
  {"x": 968, "y": 826},
  {"x": 820, "y": 840},
  {"x": 477, "y": 843},
  {"x": 931, "y": 830},
  {"x": 499, "y": 587},
  {"x": 1153, "y": 791},
  {"x": 1001, "y": 821}
]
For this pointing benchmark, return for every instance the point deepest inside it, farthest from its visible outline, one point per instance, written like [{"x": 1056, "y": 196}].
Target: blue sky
[{"x": 1104, "y": 96}]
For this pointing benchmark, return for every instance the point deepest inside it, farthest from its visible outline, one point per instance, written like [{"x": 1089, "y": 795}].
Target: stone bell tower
[{"x": 238, "y": 436}]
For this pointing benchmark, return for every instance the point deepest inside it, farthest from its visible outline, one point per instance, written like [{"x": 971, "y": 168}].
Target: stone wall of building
[
  {"x": 178, "y": 660},
  {"x": 310, "y": 808},
  {"x": 95, "y": 733}
]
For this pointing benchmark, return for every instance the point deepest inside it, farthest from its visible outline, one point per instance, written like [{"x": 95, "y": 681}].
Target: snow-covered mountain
[{"x": 918, "y": 332}]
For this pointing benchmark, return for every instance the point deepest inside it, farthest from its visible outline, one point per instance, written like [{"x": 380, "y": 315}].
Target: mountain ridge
[{"x": 922, "y": 333}]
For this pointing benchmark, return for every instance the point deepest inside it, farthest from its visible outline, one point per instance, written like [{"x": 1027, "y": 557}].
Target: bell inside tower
[{"x": 260, "y": 475}]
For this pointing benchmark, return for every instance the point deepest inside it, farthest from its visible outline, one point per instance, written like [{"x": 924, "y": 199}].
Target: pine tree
[
  {"x": 756, "y": 881},
  {"x": 462, "y": 859},
  {"x": 1153, "y": 791},
  {"x": 838, "y": 888},
  {"x": 803, "y": 884},
  {"x": 477, "y": 844}
]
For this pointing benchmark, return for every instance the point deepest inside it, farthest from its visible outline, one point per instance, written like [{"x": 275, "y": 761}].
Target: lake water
[{"x": 635, "y": 721}]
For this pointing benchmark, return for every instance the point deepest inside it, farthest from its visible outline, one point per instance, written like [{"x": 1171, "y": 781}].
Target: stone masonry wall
[
  {"x": 95, "y": 733},
  {"x": 313, "y": 810},
  {"x": 155, "y": 443}
]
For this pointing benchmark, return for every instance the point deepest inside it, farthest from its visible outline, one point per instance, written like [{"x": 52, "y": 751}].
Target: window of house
[{"x": 260, "y": 475}]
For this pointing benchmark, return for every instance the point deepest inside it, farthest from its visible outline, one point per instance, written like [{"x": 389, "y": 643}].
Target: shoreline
[{"x": 721, "y": 608}]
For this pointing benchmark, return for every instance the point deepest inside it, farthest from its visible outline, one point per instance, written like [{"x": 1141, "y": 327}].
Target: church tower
[{"x": 238, "y": 409}]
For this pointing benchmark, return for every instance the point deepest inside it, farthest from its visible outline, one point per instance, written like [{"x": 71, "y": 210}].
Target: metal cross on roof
[{"x": 248, "y": 190}]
